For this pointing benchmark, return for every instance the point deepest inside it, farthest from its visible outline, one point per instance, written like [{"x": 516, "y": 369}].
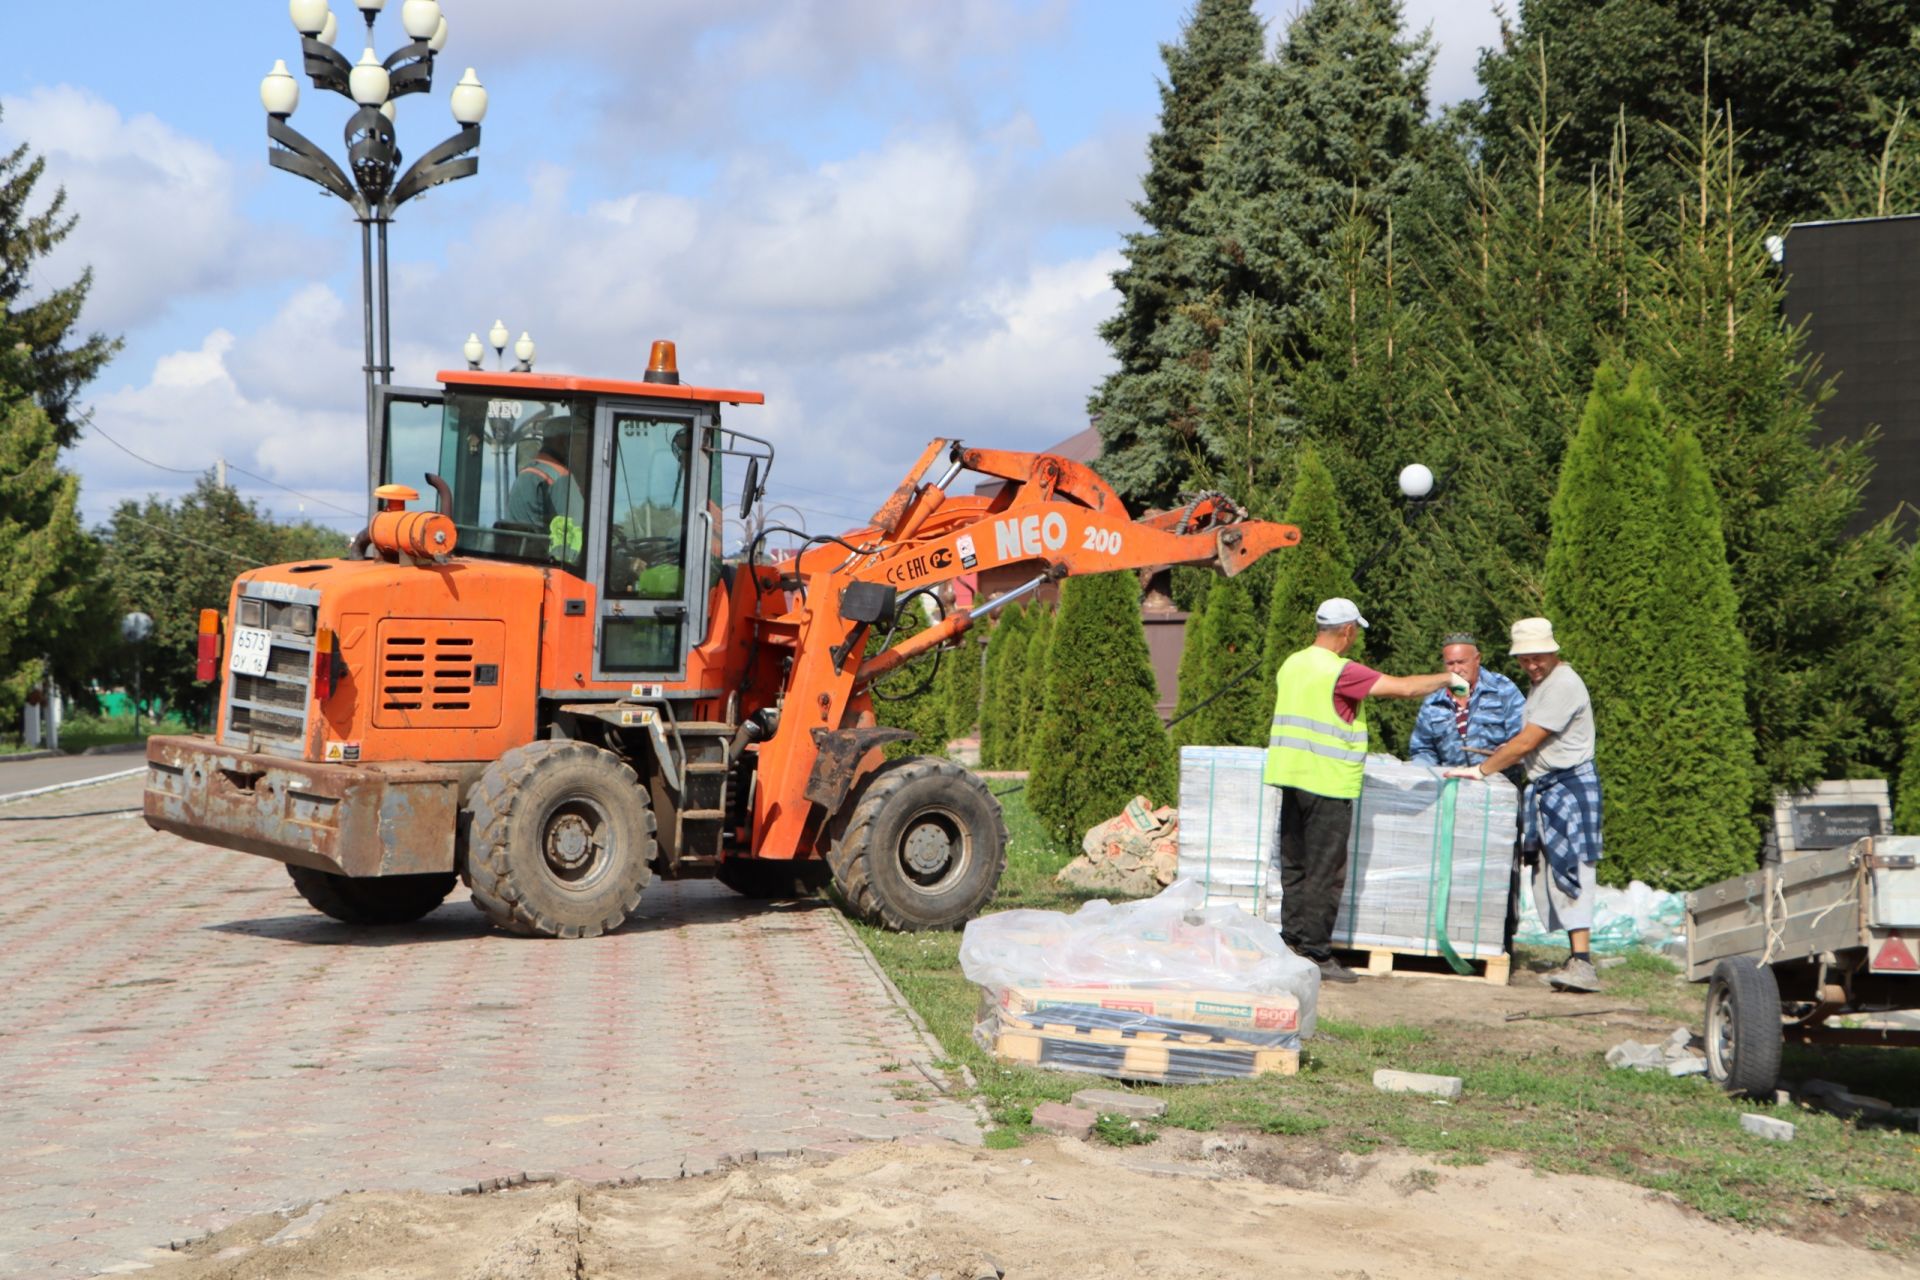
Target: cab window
[
  {"x": 646, "y": 549},
  {"x": 520, "y": 471}
]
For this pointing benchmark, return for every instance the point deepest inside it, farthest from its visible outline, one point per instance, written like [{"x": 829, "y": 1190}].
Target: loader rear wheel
[
  {"x": 560, "y": 839},
  {"x": 756, "y": 878},
  {"x": 371, "y": 900},
  {"x": 1743, "y": 1027},
  {"x": 921, "y": 845}
]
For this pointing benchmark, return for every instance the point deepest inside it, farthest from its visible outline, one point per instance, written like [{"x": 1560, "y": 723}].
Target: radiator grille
[
  {"x": 425, "y": 674},
  {"x": 268, "y": 713}
]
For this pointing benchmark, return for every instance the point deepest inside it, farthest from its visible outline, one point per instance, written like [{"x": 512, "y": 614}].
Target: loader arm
[{"x": 1054, "y": 516}]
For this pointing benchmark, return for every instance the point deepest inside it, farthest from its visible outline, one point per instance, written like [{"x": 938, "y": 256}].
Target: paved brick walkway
[{"x": 184, "y": 1042}]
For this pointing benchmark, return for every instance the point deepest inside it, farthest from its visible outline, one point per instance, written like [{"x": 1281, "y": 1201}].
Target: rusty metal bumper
[{"x": 352, "y": 819}]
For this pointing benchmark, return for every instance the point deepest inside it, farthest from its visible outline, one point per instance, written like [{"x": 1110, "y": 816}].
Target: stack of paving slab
[
  {"x": 1137, "y": 1033},
  {"x": 1228, "y": 822}
]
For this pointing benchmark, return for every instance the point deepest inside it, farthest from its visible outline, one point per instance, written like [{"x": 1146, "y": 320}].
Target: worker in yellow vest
[{"x": 1317, "y": 752}]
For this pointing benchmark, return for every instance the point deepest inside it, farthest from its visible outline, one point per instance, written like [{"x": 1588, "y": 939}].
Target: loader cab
[{"x": 616, "y": 484}]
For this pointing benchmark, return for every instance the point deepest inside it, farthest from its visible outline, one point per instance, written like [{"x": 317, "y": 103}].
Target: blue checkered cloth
[
  {"x": 1496, "y": 711},
  {"x": 1561, "y": 811}
]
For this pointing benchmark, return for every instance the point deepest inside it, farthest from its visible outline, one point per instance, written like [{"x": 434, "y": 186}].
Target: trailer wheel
[
  {"x": 371, "y": 900},
  {"x": 921, "y": 846},
  {"x": 1743, "y": 1028},
  {"x": 770, "y": 878},
  {"x": 560, "y": 840}
]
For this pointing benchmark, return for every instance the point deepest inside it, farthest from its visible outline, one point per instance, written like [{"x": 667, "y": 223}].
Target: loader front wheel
[
  {"x": 921, "y": 845},
  {"x": 560, "y": 840},
  {"x": 374, "y": 899}
]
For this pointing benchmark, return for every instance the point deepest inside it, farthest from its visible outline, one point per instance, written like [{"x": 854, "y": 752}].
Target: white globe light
[
  {"x": 439, "y": 39},
  {"x": 279, "y": 91},
  {"x": 469, "y": 100},
  {"x": 420, "y": 17},
  {"x": 369, "y": 82},
  {"x": 370, "y": 6},
  {"x": 473, "y": 349},
  {"x": 498, "y": 335},
  {"x": 309, "y": 16},
  {"x": 523, "y": 349},
  {"x": 1416, "y": 480},
  {"x": 331, "y": 31}
]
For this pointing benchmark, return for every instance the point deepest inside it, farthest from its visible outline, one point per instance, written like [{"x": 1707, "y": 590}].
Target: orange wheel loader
[{"x": 549, "y": 682}]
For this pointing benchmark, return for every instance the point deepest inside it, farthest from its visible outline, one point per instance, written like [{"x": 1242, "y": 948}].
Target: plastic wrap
[
  {"x": 1636, "y": 916},
  {"x": 1165, "y": 989},
  {"x": 1228, "y": 819}
]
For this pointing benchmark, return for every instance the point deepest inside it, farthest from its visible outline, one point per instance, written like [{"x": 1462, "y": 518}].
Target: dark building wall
[{"x": 1856, "y": 286}]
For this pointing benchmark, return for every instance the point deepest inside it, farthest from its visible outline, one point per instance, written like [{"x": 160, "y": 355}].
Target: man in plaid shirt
[{"x": 1452, "y": 730}]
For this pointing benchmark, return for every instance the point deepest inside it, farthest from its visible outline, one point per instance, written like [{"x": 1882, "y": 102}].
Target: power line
[
  {"x": 250, "y": 561},
  {"x": 233, "y": 466},
  {"x": 179, "y": 471}
]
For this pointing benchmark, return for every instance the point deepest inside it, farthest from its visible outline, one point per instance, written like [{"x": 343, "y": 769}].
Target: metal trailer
[{"x": 1788, "y": 947}]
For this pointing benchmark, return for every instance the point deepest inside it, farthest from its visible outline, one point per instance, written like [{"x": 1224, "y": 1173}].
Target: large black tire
[
  {"x": 921, "y": 845},
  {"x": 1743, "y": 1028},
  {"x": 753, "y": 878},
  {"x": 371, "y": 900},
  {"x": 559, "y": 841}
]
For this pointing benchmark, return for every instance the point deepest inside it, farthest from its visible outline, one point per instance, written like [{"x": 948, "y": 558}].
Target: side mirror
[{"x": 749, "y": 488}]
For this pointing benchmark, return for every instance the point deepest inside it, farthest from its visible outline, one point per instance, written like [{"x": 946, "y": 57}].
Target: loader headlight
[
  {"x": 300, "y": 619},
  {"x": 251, "y": 613}
]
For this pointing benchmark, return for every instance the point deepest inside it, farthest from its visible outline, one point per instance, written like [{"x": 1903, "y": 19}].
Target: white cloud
[{"x": 156, "y": 208}]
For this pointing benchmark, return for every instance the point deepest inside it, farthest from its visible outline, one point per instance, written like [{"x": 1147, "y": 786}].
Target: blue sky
[{"x": 895, "y": 217}]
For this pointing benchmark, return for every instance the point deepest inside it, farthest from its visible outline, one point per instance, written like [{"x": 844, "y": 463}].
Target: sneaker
[
  {"x": 1332, "y": 970},
  {"x": 1574, "y": 975}
]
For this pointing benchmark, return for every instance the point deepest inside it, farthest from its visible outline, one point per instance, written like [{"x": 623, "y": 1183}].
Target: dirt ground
[{"x": 1190, "y": 1205}]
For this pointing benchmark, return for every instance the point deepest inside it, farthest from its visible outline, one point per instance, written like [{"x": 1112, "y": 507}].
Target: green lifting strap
[{"x": 1443, "y": 857}]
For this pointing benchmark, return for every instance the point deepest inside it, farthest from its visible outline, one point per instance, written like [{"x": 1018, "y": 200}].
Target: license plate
[{"x": 251, "y": 648}]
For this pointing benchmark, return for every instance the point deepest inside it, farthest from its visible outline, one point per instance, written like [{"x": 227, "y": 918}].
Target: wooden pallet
[
  {"x": 1130, "y": 1059},
  {"x": 1382, "y": 961},
  {"x": 1116, "y": 1027}
]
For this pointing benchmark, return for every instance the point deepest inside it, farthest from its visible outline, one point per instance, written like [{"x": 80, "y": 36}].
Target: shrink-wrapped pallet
[{"x": 1395, "y": 860}]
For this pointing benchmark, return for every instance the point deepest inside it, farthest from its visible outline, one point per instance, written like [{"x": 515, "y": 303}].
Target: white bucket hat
[
  {"x": 1338, "y": 612},
  {"x": 1533, "y": 635}
]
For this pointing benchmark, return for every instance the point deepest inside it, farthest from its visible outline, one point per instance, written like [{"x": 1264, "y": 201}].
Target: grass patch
[
  {"x": 1119, "y": 1131},
  {"x": 1560, "y": 1110},
  {"x": 82, "y": 730}
]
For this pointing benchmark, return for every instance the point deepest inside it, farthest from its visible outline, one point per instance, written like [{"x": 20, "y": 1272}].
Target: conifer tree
[
  {"x": 960, "y": 685},
  {"x": 995, "y": 720},
  {"x": 1319, "y": 568},
  {"x": 1239, "y": 716},
  {"x": 1707, "y": 778},
  {"x": 1033, "y": 691},
  {"x": 1101, "y": 742},
  {"x": 895, "y": 702},
  {"x": 1906, "y": 808},
  {"x": 1190, "y": 681},
  {"x": 1708, "y": 324},
  {"x": 1148, "y": 409},
  {"x": 1011, "y": 691},
  {"x": 1609, "y": 603},
  {"x": 56, "y": 366}
]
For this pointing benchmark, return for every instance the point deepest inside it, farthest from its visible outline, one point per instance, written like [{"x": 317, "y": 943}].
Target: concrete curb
[
  {"x": 20, "y": 757},
  {"x": 70, "y": 786}
]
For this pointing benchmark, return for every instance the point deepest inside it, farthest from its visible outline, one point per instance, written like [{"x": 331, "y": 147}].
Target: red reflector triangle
[{"x": 1895, "y": 955}]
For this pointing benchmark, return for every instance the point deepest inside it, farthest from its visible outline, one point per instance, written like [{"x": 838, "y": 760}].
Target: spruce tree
[
  {"x": 1101, "y": 742},
  {"x": 1033, "y": 690},
  {"x": 1148, "y": 408},
  {"x": 1906, "y": 800},
  {"x": 1241, "y": 712},
  {"x": 1320, "y": 568},
  {"x": 42, "y": 327},
  {"x": 1707, "y": 780},
  {"x": 1709, "y": 326},
  {"x": 1610, "y": 605}
]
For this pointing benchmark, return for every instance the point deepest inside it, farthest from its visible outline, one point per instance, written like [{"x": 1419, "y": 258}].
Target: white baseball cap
[
  {"x": 1533, "y": 635},
  {"x": 1338, "y": 612}
]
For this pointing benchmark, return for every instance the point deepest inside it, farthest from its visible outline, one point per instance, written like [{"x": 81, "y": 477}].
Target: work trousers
[{"x": 1313, "y": 868}]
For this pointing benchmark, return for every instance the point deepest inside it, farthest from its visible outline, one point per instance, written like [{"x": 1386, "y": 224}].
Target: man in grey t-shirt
[{"x": 1562, "y": 801}]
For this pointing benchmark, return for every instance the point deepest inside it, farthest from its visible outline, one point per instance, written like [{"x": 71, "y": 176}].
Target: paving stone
[
  {"x": 1134, "y": 1106},
  {"x": 287, "y": 1060},
  {"x": 1416, "y": 1082},
  {"x": 1068, "y": 1122},
  {"x": 1767, "y": 1127}
]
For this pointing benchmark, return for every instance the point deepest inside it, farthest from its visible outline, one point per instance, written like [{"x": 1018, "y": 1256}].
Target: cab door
[{"x": 651, "y": 540}]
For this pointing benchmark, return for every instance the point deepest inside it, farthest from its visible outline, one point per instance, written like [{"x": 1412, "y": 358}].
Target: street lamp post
[{"x": 367, "y": 183}]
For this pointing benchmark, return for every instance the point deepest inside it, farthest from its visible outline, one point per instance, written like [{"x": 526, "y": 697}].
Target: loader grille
[
  {"x": 268, "y": 713},
  {"x": 425, "y": 674}
]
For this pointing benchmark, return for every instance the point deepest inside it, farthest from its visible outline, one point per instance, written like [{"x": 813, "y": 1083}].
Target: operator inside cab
[{"x": 546, "y": 498}]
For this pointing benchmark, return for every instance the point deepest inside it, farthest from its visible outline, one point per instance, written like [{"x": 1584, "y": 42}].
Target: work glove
[
  {"x": 1465, "y": 771},
  {"x": 1458, "y": 683}
]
